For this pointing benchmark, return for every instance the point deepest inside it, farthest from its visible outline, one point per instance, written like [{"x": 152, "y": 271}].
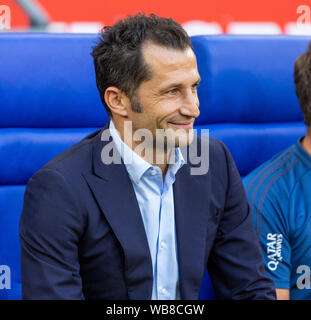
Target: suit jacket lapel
[
  {"x": 116, "y": 197},
  {"x": 191, "y": 214}
]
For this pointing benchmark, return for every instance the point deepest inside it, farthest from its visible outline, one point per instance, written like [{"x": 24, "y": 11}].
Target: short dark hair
[
  {"x": 302, "y": 74},
  {"x": 118, "y": 57}
]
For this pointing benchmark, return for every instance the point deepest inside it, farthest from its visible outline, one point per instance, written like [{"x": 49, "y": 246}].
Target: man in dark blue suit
[{"x": 108, "y": 219}]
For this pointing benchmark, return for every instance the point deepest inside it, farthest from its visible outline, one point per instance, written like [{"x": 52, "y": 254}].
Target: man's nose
[{"x": 190, "y": 105}]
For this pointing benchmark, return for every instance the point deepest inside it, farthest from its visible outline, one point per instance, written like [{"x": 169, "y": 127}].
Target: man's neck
[{"x": 306, "y": 142}]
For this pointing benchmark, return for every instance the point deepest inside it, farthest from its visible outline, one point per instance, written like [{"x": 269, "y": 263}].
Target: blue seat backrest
[{"x": 49, "y": 101}]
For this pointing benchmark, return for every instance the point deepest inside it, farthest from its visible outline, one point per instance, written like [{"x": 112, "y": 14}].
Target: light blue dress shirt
[{"x": 156, "y": 203}]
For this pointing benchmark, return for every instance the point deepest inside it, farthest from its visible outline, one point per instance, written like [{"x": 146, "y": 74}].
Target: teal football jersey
[{"x": 279, "y": 193}]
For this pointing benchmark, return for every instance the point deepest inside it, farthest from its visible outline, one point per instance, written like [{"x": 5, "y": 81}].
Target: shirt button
[
  {"x": 163, "y": 291},
  {"x": 153, "y": 172},
  {"x": 163, "y": 244}
]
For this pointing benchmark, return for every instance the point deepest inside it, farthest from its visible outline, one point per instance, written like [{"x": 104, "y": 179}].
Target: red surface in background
[{"x": 221, "y": 11}]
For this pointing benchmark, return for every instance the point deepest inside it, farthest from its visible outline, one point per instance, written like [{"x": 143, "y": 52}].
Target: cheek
[
  {"x": 168, "y": 108},
  {"x": 171, "y": 104},
  {"x": 156, "y": 113}
]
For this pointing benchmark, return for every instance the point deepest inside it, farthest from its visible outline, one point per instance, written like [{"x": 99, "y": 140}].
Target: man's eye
[{"x": 172, "y": 91}]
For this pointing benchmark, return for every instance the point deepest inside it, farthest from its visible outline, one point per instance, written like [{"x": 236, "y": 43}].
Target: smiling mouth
[{"x": 182, "y": 125}]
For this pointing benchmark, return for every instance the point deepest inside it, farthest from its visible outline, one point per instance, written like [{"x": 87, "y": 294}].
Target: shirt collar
[
  {"x": 178, "y": 163},
  {"x": 135, "y": 165}
]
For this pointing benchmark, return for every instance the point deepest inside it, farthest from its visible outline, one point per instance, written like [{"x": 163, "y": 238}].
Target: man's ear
[{"x": 117, "y": 101}]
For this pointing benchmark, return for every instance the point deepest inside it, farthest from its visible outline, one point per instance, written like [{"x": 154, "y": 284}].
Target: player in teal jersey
[{"x": 279, "y": 192}]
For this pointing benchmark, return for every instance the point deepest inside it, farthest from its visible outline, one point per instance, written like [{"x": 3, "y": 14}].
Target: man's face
[{"x": 169, "y": 100}]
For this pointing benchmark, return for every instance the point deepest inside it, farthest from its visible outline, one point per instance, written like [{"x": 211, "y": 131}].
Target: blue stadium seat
[{"x": 49, "y": 101}]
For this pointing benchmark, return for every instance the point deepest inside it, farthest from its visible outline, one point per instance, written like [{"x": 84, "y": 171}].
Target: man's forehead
[{"x": 159, "y": 56}]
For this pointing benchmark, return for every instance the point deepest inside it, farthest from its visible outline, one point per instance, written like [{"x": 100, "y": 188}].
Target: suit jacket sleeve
[
  {"x": 236, "y": 264},
  {"x": 50, "y": 228}
]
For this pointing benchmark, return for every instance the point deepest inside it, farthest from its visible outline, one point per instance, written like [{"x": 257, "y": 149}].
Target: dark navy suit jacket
[{"x": 82, "y": 234}]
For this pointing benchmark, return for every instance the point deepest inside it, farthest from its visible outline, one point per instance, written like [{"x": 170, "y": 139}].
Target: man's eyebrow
[{"x": 178, "y": 85}]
